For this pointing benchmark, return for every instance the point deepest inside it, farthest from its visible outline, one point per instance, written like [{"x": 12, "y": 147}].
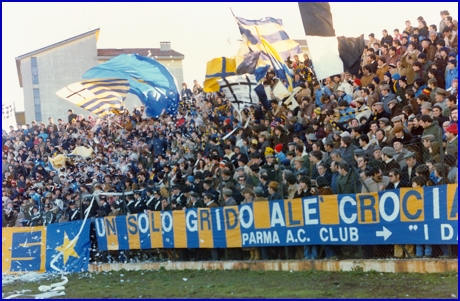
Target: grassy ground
[{"x": 251, "y": 284}]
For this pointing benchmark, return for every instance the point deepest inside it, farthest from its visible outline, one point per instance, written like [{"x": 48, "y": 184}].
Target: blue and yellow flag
[
  {"x": 98, "y": 96},
  {"x": 57, "y": 247},
  {"x": 216, "y": 69},
  {"x": 272, "y": 30},
  {"x": 149, "y": 80},
  {"x": 68, "y": 246}
]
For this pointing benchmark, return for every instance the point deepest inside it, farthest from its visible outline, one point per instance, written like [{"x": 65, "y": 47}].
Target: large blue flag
[
  {"x": 68, "y": 246},
  {"x": 152, "y": 82}
]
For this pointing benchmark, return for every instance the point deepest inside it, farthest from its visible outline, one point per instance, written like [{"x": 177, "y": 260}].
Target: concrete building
[{"x": 44, "y": 71}]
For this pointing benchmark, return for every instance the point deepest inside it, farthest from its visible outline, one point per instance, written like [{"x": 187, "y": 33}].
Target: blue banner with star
[
  {"x": 68, "y": 246},
  {"x": 57, "y": 247}
]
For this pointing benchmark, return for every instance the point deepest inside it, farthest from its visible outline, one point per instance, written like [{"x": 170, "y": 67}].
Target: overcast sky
[{"x": 200, "y": 31}]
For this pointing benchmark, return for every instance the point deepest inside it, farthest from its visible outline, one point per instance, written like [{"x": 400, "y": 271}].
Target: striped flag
[
  {"x": 239, "y": 89},
  {"x": 98, "y": 96},
  {"x": 248, "y": 61},
  {"x": 321, "y": 38},
  {"x": 269, "y": 54},
  {"x": 216, "y": 69},
  {"x": 8, "y": 116},
  {"x": 272, "y": 30}
]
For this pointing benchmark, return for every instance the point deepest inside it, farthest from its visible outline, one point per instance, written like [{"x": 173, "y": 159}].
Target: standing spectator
[
  {"x": 451, "y": 73},
  {"x": 386, "y": 38},
  {"x": 346, "y": 183}
]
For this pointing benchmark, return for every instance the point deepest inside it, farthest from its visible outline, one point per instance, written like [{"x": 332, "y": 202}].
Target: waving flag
[
  {"x": 99, "y": 96},
  {"x": 216, "y": 69},
  {"x": 152, "y": 82},
  {"x": 239, "y": 89},
  {"x": 67, "y": 246},
  {"x": 321, "y": 38},
  {"x": 350, "y": 50},
  {"x": 272, "y": 30},
  {"x": 281, "y": 69},
  {"x": 57, "y": 247},
  {"x": 8, "y": 116},
  {"x": 253, "y": 64}
]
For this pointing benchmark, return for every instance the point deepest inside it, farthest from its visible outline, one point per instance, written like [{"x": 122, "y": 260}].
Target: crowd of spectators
[{"x": 393, "y": 125}]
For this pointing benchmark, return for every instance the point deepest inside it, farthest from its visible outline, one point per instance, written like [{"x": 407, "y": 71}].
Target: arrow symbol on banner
[{"x": 385, "y": 233}]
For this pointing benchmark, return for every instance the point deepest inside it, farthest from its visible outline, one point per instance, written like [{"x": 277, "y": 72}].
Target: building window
[
  {"x": 37, "y": 105},
  {"x": 33, "y": 63}
]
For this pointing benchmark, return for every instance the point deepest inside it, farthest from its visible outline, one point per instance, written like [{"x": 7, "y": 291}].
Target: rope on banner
[{"x": 58, "y": 289}]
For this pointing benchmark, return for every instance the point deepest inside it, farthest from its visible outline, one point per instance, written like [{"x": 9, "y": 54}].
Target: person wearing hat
[
  {"x": 428, "y": 49},
  {"x": 343, "y": 95},
  {"x": 452, "y": 135},
  {"x": 178, "y": 194},
  {"x": 299, "y": 167},
  {"x": 441, "y": 100},
  {"x": 388, "y": 161},
  {"x": 387, "y": 96},
  {"x": 137, "y": 205},
  {"x": 356, "y": 89},
  {"x": 270, "y": 165},
  {"x": 274, "y": 195},
  {"x": 427, "y": 141},
  {"x": 392, "y": 69},
  {"x": 151, "y": 200},
  {"x": 279, "y": 154},
  {"x": 48, "y": 216},
  {"x": 451, "y": 72},
  {"x": 437, "y": 114},
  {"x": 73, "y": 213},
  {"x": 227, "y": 197},
  {"x": 195, "y": 201},
  {"x": 408, "y": 171},
  {"x": 104, "y": 207},
  {"x": 377, "y": 113},
  {"x": 395, "y": 109}
]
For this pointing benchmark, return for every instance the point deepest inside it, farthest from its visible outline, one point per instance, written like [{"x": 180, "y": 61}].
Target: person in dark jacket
[
  {"x": 159, "y": 145},
  {"x": 388, "y": 162},
  {"x": 346, "y": 182},
  {"x": 274, "y": 195},
  {"x": 104, "y": 207}
]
